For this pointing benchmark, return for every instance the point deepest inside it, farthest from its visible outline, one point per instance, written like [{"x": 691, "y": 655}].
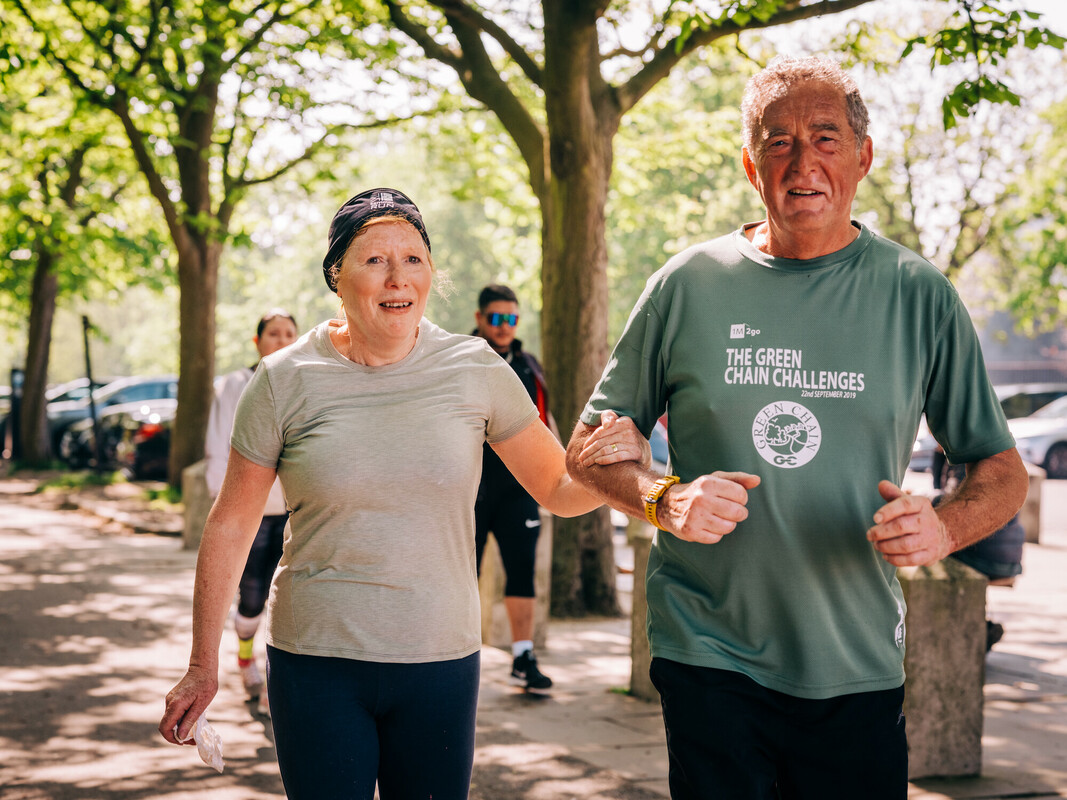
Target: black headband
[{"x": 354, "y": 214}]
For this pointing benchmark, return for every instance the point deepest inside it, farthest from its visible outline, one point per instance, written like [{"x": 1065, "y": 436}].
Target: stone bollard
[
  {"x": 496, "y": 630},
  {"x": 945, "y": 667},
  {"x": 640, "y": 534},
  {"x": 1030, "y": 514},
  {"x": 197, "y": 501}
]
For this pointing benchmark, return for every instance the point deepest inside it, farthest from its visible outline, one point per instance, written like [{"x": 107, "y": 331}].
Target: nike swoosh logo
[{"x": 533, "y": 523}]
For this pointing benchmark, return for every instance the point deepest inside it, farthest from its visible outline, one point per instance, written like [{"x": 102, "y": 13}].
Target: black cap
[{"x": 354, "y": 214}]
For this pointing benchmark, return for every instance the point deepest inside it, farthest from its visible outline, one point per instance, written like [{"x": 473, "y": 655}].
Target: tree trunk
[
  {"x": 199, "y": 248},
  {"x": 33, "y": 426},
  {"x": 198, "y": 270},
  {"x": 574, "y": 316}
]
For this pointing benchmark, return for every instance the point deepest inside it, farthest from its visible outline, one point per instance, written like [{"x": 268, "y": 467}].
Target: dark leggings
[
  {"x": 341, "y": 725},
  {"x": 259, "y": 568},
  {"x": 515, "y": 520}
]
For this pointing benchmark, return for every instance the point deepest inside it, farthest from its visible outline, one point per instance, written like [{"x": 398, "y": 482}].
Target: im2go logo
[{"x": 741, "y": 330}]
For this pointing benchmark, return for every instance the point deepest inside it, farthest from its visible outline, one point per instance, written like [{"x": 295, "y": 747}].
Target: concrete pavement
[{"x": 94, "y": 629}]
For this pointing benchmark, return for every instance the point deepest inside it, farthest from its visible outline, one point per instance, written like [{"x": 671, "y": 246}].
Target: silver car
[{"x": 1042, "y": 438}]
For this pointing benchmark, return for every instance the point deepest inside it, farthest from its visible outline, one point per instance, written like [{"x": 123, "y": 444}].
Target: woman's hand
[
  {"x": 616, "y": 440},
  {"x": 186, "y": 702}
]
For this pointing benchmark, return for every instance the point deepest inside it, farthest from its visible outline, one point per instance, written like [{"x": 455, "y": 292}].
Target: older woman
[{"x": 374, "y": 424}]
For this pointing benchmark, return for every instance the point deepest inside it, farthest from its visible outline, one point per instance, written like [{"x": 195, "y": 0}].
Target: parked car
[
  {"x": 1023, "y": 399},
  {"x": 922, "y": 452},
  {"x": 1042, "y": 438},
  {"x": 1017, "y": 399},
  {"x": 63, "y": 414},
  {"x": 135, "y": 438},
  {"x": 77, "y": 389}
]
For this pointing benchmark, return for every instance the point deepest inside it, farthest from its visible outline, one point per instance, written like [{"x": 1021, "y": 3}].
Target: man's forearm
[
  {"x": 621, "y": 485},
  {"x": 986, "y": 500}
]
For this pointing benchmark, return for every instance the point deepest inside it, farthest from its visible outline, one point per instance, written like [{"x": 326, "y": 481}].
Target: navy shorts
[
  {"x": 729, "y": 737},
  {"x": 515, "y": 520}
]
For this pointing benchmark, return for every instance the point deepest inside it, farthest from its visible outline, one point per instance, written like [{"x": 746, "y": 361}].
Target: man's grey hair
[{"x": 775, "y": 80}]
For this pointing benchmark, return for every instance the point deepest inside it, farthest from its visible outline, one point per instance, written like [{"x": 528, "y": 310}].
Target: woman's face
[
  {"x": 277, "y": 333},
  {"x": 384, "y": 282}
]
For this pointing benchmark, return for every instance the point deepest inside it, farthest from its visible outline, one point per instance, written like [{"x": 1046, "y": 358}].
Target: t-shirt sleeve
[
  {"x": 510, "y": 408},
  {"x": 962, "y": 409},
  {"x": 256, "y": 434},
  {"x": 633, "y": 381}
]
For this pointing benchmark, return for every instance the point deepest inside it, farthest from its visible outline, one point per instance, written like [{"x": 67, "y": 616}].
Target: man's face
[
  {"x": 499, "y": 336},
  {"x": 806, "y": 166}
]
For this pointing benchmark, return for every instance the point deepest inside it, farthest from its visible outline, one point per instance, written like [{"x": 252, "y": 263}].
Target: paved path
[{"x": 94, "y": 628}]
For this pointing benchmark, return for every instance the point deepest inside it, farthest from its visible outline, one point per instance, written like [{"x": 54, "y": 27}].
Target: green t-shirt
[
  {"x": 380, "y": 467},
  {"x": 813, "y": 375}
]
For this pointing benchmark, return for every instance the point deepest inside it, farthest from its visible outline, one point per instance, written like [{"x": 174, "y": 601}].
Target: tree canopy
[
  {"x": 71, "y": 218},
  {"x": 213, "y": 99}
]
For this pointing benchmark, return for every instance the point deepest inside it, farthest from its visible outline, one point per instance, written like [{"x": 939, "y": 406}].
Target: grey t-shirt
[{"x": 380, "y": 467}]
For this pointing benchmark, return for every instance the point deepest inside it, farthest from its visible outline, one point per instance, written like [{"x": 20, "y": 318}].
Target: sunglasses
[{"x": 496, "y": 319}]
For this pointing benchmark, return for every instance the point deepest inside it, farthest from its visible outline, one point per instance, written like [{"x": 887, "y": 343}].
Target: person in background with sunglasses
[{"x": 503, "y": 506}]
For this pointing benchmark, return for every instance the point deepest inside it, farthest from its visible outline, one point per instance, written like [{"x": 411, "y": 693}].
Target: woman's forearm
[{"x": 231, "y": 526}]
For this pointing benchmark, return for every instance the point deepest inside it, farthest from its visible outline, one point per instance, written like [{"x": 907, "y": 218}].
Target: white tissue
[{"x": 208, "y": 743}]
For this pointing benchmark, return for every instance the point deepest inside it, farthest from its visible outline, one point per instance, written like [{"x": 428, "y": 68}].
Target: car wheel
[{"x": 1056, "y": 461}]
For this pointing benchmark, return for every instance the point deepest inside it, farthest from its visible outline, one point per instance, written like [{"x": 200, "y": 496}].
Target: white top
[{"x": 219, "y": 427}]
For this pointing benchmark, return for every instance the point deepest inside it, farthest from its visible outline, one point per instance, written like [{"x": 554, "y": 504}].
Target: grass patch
[
  {"x": 77, "y": 480},
  {"x": 164, "y": 499}
]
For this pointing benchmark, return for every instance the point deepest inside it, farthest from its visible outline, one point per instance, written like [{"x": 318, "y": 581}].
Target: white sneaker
[{"x": 251, "y": 679}]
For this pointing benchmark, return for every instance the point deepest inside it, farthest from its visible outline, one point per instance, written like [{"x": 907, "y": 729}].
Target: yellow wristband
[{"x": 653, "y": 496}]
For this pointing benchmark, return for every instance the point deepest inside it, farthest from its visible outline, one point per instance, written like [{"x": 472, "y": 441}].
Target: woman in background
[{"x": 276, "y": 329}]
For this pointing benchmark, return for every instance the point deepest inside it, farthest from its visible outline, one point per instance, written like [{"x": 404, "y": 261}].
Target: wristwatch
[{"x": 653, "y": 496}]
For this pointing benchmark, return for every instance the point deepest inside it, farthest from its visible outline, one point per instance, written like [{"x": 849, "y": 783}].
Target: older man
[{"x": 795, "y": 358}]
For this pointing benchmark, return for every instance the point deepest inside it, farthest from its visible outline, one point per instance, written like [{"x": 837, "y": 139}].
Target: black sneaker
[
  {"x": 994, "y": 632},
  {"x": 524, "y": 672}
]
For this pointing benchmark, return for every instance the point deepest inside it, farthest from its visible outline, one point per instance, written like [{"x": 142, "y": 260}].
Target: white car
[
  {"x": 1017, "y": 400},
  {"x": 1042, "y": 438}
]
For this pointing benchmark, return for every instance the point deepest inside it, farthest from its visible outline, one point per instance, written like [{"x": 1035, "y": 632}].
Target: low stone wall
[
  {"x": 197, "y": 501},
  {"x": 640, "y": 535},
  {"x": 945, "y": 667},
  {"x": 1030, "y": 514}
]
